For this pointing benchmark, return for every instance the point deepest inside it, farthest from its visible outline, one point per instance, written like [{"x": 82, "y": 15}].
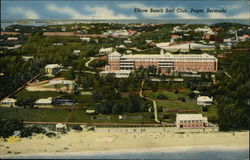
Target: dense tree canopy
[{"x": 232, "y": 92}]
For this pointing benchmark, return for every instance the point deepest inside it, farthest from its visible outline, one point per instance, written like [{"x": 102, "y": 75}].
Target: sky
[{"x": 76, "y": 9}]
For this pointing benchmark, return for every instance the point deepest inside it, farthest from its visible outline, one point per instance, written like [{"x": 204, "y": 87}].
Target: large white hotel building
[{"x": 166, "y": 62}]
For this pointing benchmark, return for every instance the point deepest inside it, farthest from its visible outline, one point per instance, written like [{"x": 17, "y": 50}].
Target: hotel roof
[
  {"x": 8, "y": 100},
  {"x": 190, "y": 117},
  {"x": 204, "y": 98}
]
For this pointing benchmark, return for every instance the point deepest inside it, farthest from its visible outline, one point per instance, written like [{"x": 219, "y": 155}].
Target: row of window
[
  {"x": 189, "y": 121},
  {"x": 193, "y": 125},
  {"x": 169, "y": 59},
  {"x": 126, "y": 68}
]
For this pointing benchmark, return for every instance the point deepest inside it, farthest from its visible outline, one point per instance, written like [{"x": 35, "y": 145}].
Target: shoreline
[
  {"x": 131, "y": 151},
  {"x": 92, "y": 143}
]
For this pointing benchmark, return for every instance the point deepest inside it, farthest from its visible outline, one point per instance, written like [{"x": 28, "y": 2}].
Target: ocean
[
  {"x": 41, "y": 22},
  {"x": 241, "y": 154}
]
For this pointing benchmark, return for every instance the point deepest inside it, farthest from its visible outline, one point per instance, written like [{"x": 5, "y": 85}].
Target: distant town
[{"x": 111, "y": 77}]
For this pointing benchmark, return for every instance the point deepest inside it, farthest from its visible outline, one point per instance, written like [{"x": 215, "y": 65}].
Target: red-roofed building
[
  {"x": 131, "y": 32},
  {"x": 175, "y": 36}
]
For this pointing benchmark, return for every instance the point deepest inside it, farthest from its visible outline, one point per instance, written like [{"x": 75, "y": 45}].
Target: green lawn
[
  {"x": 78, "y": 115},
  {"x": 38, "y": 94},
  {"x": 85, "y": 100},
  {"x": 179, "y": 105},
  {"x": 170, "y": 94},
  {"x": 34, "y": 114}
]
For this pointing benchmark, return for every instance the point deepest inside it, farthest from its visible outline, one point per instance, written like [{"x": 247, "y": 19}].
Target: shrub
[
  {"x": 35, "y": 129},
  {"x": 191, "y": 95},
  {"x": 182, "y": 99},
  {"x": 50, "y": 134},
  {"x": 166, "y": 116},
  {"x": 7, "y": 127},
  {"x": 26, "y": 132},
  {"x": 204, "y": 108}
]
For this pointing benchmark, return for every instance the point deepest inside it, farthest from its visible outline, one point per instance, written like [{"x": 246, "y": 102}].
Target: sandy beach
[{"x": 88, "y": 142}]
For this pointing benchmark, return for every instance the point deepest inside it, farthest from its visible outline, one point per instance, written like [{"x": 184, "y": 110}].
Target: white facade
[
  {"x": 205, "y": 29},
  {"x": 52, "y": 68},
  {"x": 44, "y": 101},
  {"x": 27, "y": 58},
  {"x": 61, "y": 127},
  {"x": 118, "y": 74},
  {"x": 87, "y": 39},
  {"x": 186, "y": 47},
  {"x": 8, "y": 102},
  {"x": 12, "y": 38},
  {"x": 76, "y": 52},
  {"x": 204, "y": 100},
  {"x": 191, "y": 121},
  {"x": 117, "y": 33},
  {"x": 204, "y": 57},
  {"x": 106, "y": 51}
]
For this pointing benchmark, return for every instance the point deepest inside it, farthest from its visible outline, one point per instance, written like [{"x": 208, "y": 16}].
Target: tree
[
  {"x": 26, "y": 132},
  {"x": 191, "y": 95},
  {"x": 9, "y": 126},
  {"x": 117, "y": 108}
]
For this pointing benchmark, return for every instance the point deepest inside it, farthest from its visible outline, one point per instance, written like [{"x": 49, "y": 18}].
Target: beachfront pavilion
[
  {"x": 61, "y": 127},
  {"x": 191, "y": 121}
]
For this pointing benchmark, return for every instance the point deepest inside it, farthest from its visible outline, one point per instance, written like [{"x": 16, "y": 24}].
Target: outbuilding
[
  {"x": 8, "y": 102},
  {"x": 61, "y": 127},
  {"x": 204, "y": 100}
]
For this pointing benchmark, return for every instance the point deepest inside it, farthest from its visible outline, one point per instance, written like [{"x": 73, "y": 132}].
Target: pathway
[
  {"x": 154, "y": 102},
  {"x": 87, "y": 63}
]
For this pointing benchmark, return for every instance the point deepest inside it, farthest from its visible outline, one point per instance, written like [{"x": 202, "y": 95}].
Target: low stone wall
[{"x": 152, "y": 129}]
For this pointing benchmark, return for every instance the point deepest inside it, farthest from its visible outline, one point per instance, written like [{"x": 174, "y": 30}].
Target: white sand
[{"x": 88, "y": 142}]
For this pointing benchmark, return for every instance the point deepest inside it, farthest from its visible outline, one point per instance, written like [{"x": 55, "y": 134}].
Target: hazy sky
[{"x": 75, "y": 9}]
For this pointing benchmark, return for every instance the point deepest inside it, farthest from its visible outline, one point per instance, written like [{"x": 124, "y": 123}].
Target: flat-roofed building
[
  {"x": 191, "y": 121},
  {"x": 117, "y": 74},
  {"x": 105, "y": 51},
  {"x": 52, "y": 69},
  {"x": 8, "y": 102},
  {"x": 166, "y": 62},
  {"x": 61, "y": 127},
  {"x": 204, "y": 100},
  {"x": 27, "y": 58},
  {"x": 44, "y": 103},
  {"x": 185, "y": 46}
]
